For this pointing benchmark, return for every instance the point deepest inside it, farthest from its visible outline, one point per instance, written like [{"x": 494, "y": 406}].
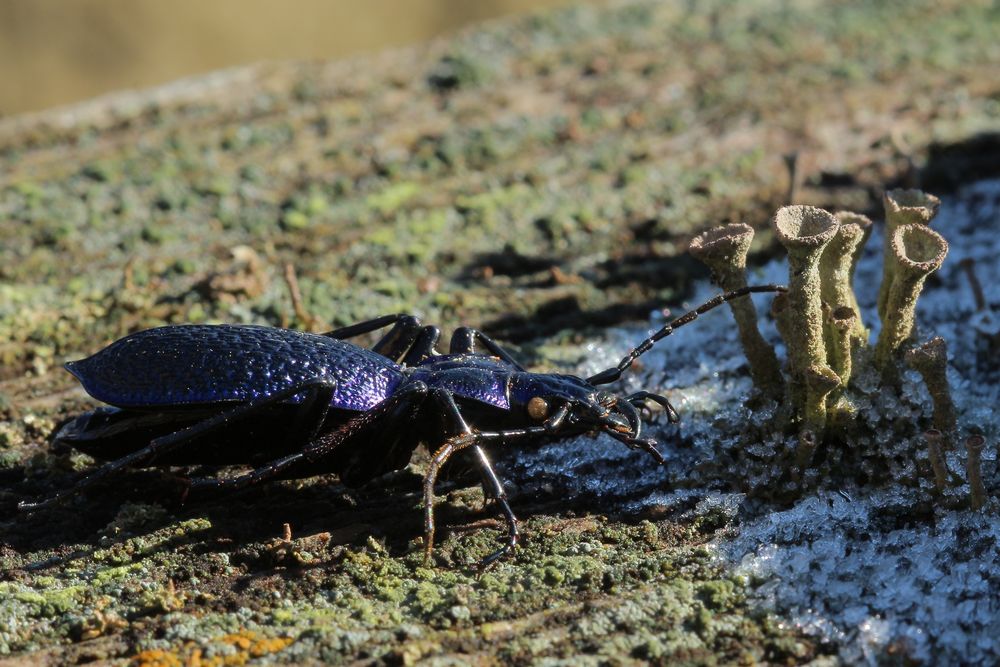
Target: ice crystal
[{"x": 868, "y": 560}]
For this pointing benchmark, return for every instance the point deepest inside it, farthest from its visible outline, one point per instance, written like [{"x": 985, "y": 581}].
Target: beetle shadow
[
  {"x": 76, "y": 529},
  {"x": 387, "y": 508}
]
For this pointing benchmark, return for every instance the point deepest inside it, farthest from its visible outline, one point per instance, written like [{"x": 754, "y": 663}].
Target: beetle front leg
[
  {"x": 440, "y": 457},
  {"x": 496, "y": 487},
  {"x": 467, "y": 438},
  {"x": 492, "y": 483}
]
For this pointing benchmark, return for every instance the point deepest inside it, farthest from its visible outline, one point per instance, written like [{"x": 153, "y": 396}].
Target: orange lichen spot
[
  {"x": 157, "y": 658},
  {"x": 248, "y": 645}
]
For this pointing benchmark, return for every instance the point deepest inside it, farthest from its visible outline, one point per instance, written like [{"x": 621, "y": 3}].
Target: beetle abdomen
[{"x": 190, "y": 365}]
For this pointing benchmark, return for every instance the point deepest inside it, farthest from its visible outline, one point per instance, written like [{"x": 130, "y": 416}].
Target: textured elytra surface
[
  {"x": 480, "y": 379},
  {"x": 207, "y": 364},
  {"x": 529, "y": 177}
]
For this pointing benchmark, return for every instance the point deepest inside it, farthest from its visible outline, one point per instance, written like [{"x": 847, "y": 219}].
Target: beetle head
[{"x": 569, "y": 404}]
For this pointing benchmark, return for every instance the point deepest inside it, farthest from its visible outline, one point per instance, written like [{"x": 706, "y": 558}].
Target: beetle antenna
[{"x": 611, "y": 374}]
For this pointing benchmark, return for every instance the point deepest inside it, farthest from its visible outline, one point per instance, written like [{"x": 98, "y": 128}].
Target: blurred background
[{"x": 55, "y": 52}]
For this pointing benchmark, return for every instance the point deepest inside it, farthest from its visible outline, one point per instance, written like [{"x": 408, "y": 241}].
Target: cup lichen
[
  {"x": 917, "y": 251},
  {"x": 820, "y": 381},
  {"x": 838, "y": 263},
  {"x": 804, "y": 453},
  {"x": 902, "y": 207},
  {"x": 724, "y": 250},
  {"x": 804, "y": 231},
  {"x": 819, "y": 318},
  {"x": 842, "y": 323}
]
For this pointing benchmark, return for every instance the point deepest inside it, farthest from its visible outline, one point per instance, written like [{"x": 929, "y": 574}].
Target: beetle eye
[{"x": 538, "y": 408}]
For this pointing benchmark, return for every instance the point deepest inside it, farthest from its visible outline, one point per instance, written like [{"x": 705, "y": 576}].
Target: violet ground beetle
[{"x": 294, "y": 404}]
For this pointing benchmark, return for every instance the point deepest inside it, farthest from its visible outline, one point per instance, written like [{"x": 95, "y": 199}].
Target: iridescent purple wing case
[{"x": 188, "y": 365}]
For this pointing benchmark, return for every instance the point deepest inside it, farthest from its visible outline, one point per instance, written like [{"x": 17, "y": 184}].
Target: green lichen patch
[
  {"x": 577, "y": 588},
  {"x": 536, "y": 177}
]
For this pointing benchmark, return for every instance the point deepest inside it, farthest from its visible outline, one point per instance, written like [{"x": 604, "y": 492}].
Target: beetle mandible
[{"x": 295, "y": 404}]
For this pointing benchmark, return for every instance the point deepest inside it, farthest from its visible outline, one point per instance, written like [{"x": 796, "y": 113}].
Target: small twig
[
  {"x": 128, "y": 275},
  {"x": 293, "y": 289},
  {"x": 969, "y": 266},
  {"x": 792, "y": 164},
  {"x": 938, "y": 466},
  {"x": 977, "y": 491}
]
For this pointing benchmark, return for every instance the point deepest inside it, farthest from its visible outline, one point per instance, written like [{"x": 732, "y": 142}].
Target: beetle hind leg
[
  {"x": 264, "y": 473},
  {"x": 163, "y": 445}
]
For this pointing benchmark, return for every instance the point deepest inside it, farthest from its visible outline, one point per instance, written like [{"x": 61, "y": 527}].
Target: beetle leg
[
  {"x": 467, "y": 438},
  {"x": 393, "y": 344},
  {"x": 168, "y": 443},
  {"x": 491, "y": 482},
  {"x": 389, "y": 411},
  {"x": 444, "y": 453},
  {"x": 513, "y": 535},
  {"x": 407, "y": 341},
  {"x": 400, "y": 321},
  {"x": 463, "y": 341},
  {"x": 423, "y": 346},
  {"x": 311, "y": 414},
  {"x": 437, "y": 460},
  {"x": 265, "y": 472}
]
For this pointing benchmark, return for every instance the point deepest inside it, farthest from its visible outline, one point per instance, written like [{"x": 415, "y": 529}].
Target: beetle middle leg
[
  {"x": 316, "y": 402},
  {"x": 405, "y": 337},
  {"x": 464, "y": 341},
  {"x": 385, "y": 424}
]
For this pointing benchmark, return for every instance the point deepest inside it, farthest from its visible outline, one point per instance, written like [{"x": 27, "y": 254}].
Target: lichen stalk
[
  {"x": 820, "y": 381},
  {"x": 902, "y": 207},
  {"x": 804, "y": 231},
  {"x": 842, "y": 326},
  {"x": 839, "y": 262},
  {"x": 931, "y": 361},
  {"x": 781, "y": 311},
  {"x": 724, "y": 250},
  {"x": 917, "y": 251},
  {"x": 934, "y": 437},
  {"x": 973, "y": 466},
  {"x": 804, "y": 452}
]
